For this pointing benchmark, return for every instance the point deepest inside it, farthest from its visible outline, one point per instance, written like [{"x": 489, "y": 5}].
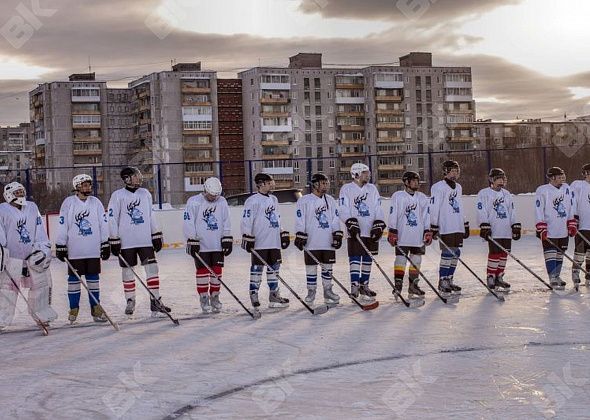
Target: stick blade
[
  {"x": 322, "y": 309},
  {"x": 256, "y": 314},
  {"x": 370, "y": 306},
  {"x": 416, "y": 303}
]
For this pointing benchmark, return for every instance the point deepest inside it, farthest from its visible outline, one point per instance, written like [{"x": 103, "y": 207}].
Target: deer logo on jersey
[
  {"x": 320, "y": 215},
  {"x": 210, "y": 219},
  {"x": 412, "y": 219},
  {"x": 500, "y": 208},
  {"x": 361, "y": 206},
  {"x": 21, "y": 228},
  {"x": 453, "y": 202},
  {"x": 559, "y": 207},
  {"x": 272, "y": 217},
  {"x": 134, "y": 213},
  {"x": 84, "y": 226}
]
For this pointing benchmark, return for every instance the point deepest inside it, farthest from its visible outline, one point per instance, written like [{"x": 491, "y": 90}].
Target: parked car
[{"x": 290, "y": 195}]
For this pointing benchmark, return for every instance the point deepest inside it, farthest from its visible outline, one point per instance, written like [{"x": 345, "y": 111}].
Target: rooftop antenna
[{"x": 89, "y": 66}]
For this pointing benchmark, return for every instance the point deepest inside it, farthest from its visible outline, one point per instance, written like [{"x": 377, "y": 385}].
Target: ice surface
[{"x": 524, "y": 358}]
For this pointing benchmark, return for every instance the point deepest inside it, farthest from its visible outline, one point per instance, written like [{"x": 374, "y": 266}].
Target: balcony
[
  {"x": 388, "y": 98},
  {"x": 275, "y": 143},
  {"x": 90, "y": 98},
  {"x": 389, "y": 112},
  {"x": 192, "y": 146},
  {"x": 351, "y": 128},
  {"x": 199, "y": 173},
  {"x": 350, "y": 114},
  {"x": 274, "y": 100},
  {"x": 145, "y": 107},
  {"x": 88, "y": 165},
  {"x": 194, "y": 89},
  {"x": 142, "y": 121},
  {"x": 197, "y": 131},
  {"x": 88, "y": 152},
  {"x": 192, "y": 103},
  {"x": 143, "y": 94},
  {"x": 275, "y": 86},
  {"x": 350, "y": 85},
  {"x": 460, "y": 139},
  {"x": 85, "y": 112},
  {"x": 274, "y": 114},
  {"x": 352, "y": 141},
  {"x": 460, "y": 125},
  {"x": 352, "y": 154},
  {"x": 344, "y": 169},
  {"x": 389, "y": 84},
  {"x": 391, "y": 167},
  {"x": 343, "y": 100},
  {"x": 458, "y": 84},
  {"x": 460, "y": 111},
  {"x": 287, "y": 128},
  {"x": 284, "y": 183},
  {"x": 87, "y": 139},
  {"x": 40, "y": 142},
  {"x": 390, "y": 152},
  {"x": 197, "y": 159},
  {"x": 282, "y": 156},
  {"x": 390, "y": 125},
  {"x": 458, "y": 98}
]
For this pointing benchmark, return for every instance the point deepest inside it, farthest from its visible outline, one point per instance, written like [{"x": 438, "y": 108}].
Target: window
[
  {"x": 318, "y": 110},
  {"x": 197, "y": 125},
  {"x": 317, "y": 83},
  {"x": 318, "y": 96}
]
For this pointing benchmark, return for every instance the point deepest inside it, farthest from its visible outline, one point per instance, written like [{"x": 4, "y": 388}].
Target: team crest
[
  {"x": 210, "y": 219},
  {"x": 272, "y": 217},
  {"x": 320, "y": 215},
  {"x": 84, "y": 226},
  {"x": 21, "y": 228},
  {"x": 453, "y": 202},
  {"x": 411, "y": 218},
  {"x": 500, "y": 208},
  {"x": 559, "y": 207},
  {"x": 134, "y": 213},
  {"x": 361, "y": 206}
]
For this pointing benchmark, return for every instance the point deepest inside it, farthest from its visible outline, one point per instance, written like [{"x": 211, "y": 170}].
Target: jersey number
[
  {"x": 61, "y": 220},
  {"x": 246, "y": 213}
]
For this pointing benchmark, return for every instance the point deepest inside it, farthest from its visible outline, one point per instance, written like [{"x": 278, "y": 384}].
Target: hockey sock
[
  {"x": 454, "y": 260},
  {"x": 271, "y": 277},
  {"x": 128, "y": 283},
  {"x": 502, "y": 263},
  {"x": 366, "y": 263},
  {"x": 493, "y": 263},
  {"x": 413, "y": 272},
  {"x": 445, "y": 263},
  {"x": 93, "y": 288},
  {"x": 153, "y": 280},
  {"x": 355, "y": 269},
  {"x": 255, "y": 277},
  {"x": 74, "y": 291},
  {"x": 311, "y": 274},
  {"x": 202, "y": 280},
  {"x": 399, "y": 268},
  {"x": 558, "y": 263},
  {"x": 550, "y": 256},
  {"x": 214, "y": 284},
  {"x": 579, "y": 259},
  {"x": 327, "y": 275}
]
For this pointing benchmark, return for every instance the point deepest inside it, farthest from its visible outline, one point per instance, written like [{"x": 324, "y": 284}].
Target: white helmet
[
  {"x": 80, "y": 179},
  {"x": 10, "y": 189},
  {"x": 357, "y": 169},
  {"x": 213, "y": 186}
]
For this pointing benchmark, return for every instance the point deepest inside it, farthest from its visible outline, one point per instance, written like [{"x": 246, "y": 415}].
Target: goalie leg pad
[{"x": 39, "y": 295}]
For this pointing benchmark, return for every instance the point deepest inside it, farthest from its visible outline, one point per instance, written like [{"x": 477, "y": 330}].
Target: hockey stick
[
  {"x": 562, "y": 252},
  {"x": 587, "y": 243},
  {"x": 355, "y": 300},
  {"x": 522, "y": 264},
  {"x": 445, "y": 300},
  {"x": 500, "y": 298},
  {"x": 115, "y": 326},
  {"x": 174, "y": 320},
  {"x": 255, "y": 315},
  {"x": 37, "y": 320},
  {"x": 398, "y": 294},
  {"x": 318, "y": 310}
]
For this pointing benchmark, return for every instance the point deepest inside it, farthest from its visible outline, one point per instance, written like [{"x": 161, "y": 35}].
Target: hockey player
[
  {"x": 497, "y": 219},
  {"x": 409, "y": 231},
  {"x": 29, "y": 252},
  {"x": 554, "y": 214},
  {"x": 261, "y": 231},
  {"x": 82, "y": 237},
  {"x": 447, "y": 220},
  {"x": 135, "y": 233},
  {"x": 207, "y": 230},
  {"x": 318, "y": 228},
  {"x": 360, "y": 210},
  {"x": 581, "y": 190}
]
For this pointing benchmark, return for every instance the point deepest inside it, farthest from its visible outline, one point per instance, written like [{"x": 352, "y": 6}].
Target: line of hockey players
[{"x": 129, "y": 231}]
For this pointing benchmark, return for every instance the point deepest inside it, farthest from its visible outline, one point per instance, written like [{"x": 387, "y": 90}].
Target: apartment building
[
  {"x": 15, "y": 152},
  {"x": 307, "y": 117}
]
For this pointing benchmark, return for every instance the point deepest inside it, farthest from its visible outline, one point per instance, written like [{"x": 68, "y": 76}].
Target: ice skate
[
  {"x": 330, "y": 298},
  {"x": 130, "y": 308},
  {"x": 310, "y": 295},
  {"x": 73, "y": 315},
  {"x": 215, "y": 303},
  {"x": 276, "y": 301},
  {"x": 157, "y": 307},
  {"x": 414, "y": 291},
  {"x": 205, "y": 303},
  {"x": 98, "y": 314}
]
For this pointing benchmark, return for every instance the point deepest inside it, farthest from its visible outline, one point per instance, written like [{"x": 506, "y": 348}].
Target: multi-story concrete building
[
  {"x": 307, "y": 118},
  {"x": 15, "y": 152}
]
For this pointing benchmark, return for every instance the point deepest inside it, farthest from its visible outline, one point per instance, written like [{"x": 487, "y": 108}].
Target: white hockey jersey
[
  {"x": 24, "y": 229},
  {"x": 262, "y": 220},
  {"x": 83, "y": 226},
  {"x": 446, "y": 208},
  {"x": 497, "y": 209},
  {"x": 581, "y": 190},
  {"x": 208, "y": 221},
  {"x": 364, "y": 204},
  {"x": 554, "y": 206},
  {"x": 318, "y": 217},
  {"x": 131, "y": 218},
  {"x": 409, "y": 215}
]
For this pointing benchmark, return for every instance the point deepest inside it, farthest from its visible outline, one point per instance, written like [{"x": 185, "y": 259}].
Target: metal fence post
[
  {"x": 251, "y": 186},
  {"x": 159, "y": 175},
  {"x": 220, "y": 171},
  {"x": 309, "y": 173},
  {"x": 489, "y": 159},
  {"x": 28, "y": 185},
  {"x": 95, "y": 183},
  {"x": 430, "y": 180},
  {"x": 544, "y": 164}
]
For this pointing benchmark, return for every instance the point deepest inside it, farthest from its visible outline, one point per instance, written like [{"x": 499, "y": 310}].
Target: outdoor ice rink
[{"x": 524, "y": 358}]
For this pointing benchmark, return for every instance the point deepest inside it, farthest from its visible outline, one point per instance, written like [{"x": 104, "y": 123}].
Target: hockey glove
[
  {"x": 193, "y": 246},
  {"x": 516, "y": 231},
  {"x": 115, "y": 246},
  {"x": 248, "y": 243},
  {"x": 377, "y": 230},
  {"x": 434, "y": 229},
  {"x": 285, "y": 239},
  {"x": 300, "y": 240},
  {"x": 572, "y": 227},
  {"x": 61, "y": 252},
  {"x": 105, "y": 251},
  {"x": 352, "y": 225},
  {"x": 392, "y": 237},
  {"x": 227, "y": 245},
  {"x": 157, "y": 241},
  {"x": 427, "y": 237},
  {"x": 337, "y": 239},
  {"x": 485, "y": 230},
  {"x": 466, "y": 234},
  {"x": 541, "y": 231}
]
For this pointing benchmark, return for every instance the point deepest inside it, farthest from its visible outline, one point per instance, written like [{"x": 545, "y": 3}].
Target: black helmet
[
  {"x": 261, "y": 178},
  {"x": 128, "y": 172},
  {"x": 449, "y": 165},
  {"x": 555, "y": 171},
  {"x": 586, "y": 169},
  {"x": 316, "y": 178},
  {"x": 496, "y": 173},
  {"x": 410, "y": 175}
]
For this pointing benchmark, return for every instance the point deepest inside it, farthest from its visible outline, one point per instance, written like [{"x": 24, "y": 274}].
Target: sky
[{"x": 529, "y": 58}]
